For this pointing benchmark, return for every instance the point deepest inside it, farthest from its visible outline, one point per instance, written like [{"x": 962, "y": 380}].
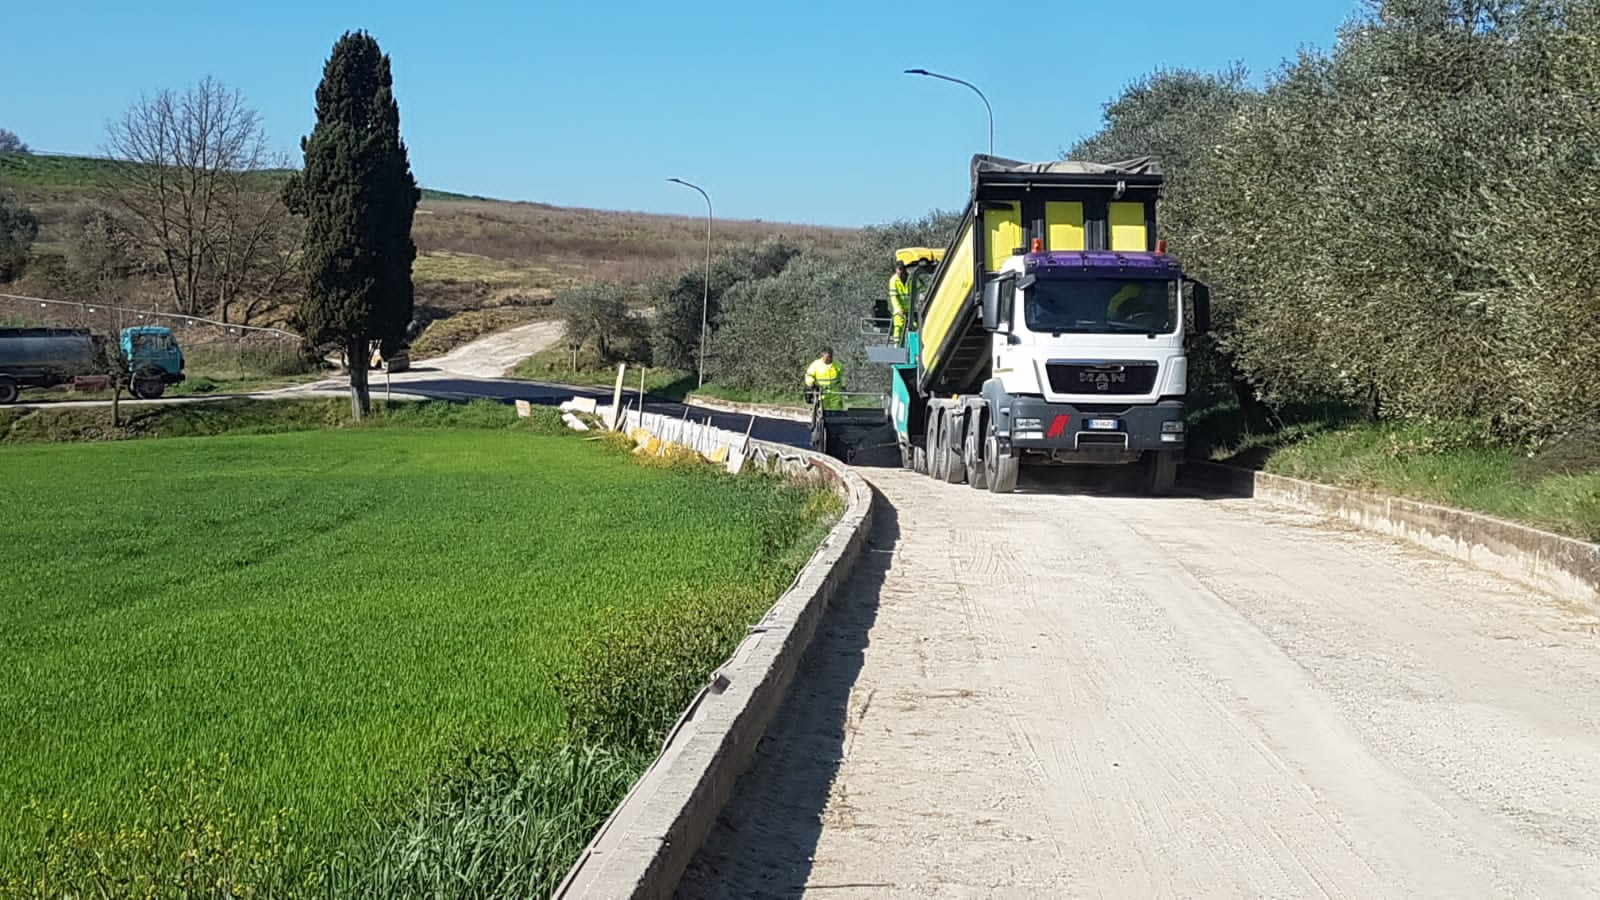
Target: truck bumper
[{"x": 1066, "y": 432}]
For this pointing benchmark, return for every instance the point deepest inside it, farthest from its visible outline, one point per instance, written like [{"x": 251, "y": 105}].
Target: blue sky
[{"x": 781, "y": 111}]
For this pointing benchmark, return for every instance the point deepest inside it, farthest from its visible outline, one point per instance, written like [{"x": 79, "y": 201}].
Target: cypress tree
[{"x": 358, "y": 197}]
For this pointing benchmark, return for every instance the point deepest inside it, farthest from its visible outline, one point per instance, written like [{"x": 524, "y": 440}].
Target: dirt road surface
[
  {"x": 491, "y": 356},
  {"x": 1060, "y": 695}
]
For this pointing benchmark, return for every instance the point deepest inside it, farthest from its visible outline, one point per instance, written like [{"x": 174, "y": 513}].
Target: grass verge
[
  {"x": 206, "y": 385},
  {"x": 765, "y": 397},
  {"x": 554, "y": 364},
  {"x": 1449, "y": 463},
  {"x": 381, "y": 659}
]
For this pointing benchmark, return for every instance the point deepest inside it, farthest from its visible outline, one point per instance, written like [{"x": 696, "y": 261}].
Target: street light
[
  {"x": 705, "y": 302},
  {"x": 974, "y": 90}
]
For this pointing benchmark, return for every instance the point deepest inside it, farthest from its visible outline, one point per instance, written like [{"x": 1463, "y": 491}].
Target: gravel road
[
  {"x": 490, "y": 356},
  {"x": 1053, "y": 694}
]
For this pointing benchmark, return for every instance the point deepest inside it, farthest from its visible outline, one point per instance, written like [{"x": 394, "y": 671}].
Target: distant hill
[
  {"x": 473, "y": 252},
  {"x": 85, "y": 173}
]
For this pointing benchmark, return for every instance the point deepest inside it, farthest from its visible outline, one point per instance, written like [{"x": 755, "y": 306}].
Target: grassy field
[
  {"x": 344, "y": 616},
  {"x": 1449, "y": 463}
]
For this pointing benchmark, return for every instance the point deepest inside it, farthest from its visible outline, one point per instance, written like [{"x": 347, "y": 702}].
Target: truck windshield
[
  {"x": 152, "y": 343},
  {"x": 1101, "y": 306}
]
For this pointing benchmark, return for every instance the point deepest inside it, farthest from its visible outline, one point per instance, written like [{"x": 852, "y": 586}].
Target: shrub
[{"x": 19, "y": 227}]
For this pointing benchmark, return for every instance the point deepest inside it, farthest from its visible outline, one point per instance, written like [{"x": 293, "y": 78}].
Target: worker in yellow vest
[
  {"x": 824, "y": 376},
  {"x": 899, "y": 300}
]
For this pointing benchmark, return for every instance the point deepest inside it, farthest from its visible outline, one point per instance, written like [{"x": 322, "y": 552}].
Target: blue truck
[
  {"x": 1050, "y": 332},
  {"x": 46, "y": 357}
]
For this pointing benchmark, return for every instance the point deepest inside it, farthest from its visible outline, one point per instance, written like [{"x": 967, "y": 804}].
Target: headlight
[
  {"x": 1173, "y": 427},
  {"x": 1026, "y": 424}
]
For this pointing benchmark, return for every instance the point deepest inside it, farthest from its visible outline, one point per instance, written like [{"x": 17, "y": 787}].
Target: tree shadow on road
[{"x": 764, "y": 841}]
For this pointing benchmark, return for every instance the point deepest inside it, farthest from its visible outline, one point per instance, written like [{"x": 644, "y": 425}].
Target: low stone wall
[
  {"x": 1563, "y": 566},
  {"x": 643, "y": 848}
]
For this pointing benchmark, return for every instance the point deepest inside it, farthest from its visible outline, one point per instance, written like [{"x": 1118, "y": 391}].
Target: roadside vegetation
[
  {"x": 422, "y": 654},
  {"x": 1449, "y": 462},
  {"x": 771, "y": 307}
]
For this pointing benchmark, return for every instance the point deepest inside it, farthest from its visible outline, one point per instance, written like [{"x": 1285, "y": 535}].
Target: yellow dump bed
[{"x": 1065, "y": 204}]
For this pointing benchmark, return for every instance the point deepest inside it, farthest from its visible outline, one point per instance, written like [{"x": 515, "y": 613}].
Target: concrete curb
[
  {"x": 644, "y": 847},
  {"x": 755, "y": 409},
  {"x": 1563, "y": 566}
]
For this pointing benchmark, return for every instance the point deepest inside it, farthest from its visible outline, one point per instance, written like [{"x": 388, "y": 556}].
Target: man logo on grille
[{"x": 1102, "y": 381}]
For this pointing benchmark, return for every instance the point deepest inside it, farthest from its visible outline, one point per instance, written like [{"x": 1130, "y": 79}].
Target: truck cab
[
  {"x": 154, "y": 359},
  {"x": 1088, "y": 355}
]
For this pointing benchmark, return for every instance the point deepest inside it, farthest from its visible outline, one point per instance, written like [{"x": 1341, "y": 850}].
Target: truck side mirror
[
  {"x": 991, "y": 306},
  {"x": 1202, "y": 308},
  {"x": 997, "y": 296}
]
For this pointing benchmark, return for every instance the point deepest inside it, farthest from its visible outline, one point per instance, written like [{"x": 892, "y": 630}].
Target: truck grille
[{"x": 1107, "y": 378}]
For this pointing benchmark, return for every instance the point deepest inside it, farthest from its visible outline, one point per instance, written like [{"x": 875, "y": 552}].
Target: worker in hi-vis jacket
[{"x": 825, "y": 376}]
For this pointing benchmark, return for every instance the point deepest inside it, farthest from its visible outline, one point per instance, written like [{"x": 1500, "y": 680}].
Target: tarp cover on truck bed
[{"x": 995, "y": 165}]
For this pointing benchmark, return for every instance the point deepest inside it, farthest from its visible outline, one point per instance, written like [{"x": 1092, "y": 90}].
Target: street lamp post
[
  {"x": 705, "y": 301},
  {"x": 974, "y": 90}
]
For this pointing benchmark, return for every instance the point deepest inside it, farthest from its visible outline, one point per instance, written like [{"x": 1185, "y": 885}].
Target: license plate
[{"x": 1102, "y": 424}]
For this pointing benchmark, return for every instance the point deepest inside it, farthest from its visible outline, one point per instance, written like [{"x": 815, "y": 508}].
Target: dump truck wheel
[
  {"x": 999, "y": 471},
  {"x": 951, "y": 468},
  {"x": 1163, "y": 471},
  {"x": 972, "y": 452},
  {"x": 9, "y": 390},
  {"x": 935, "y": 455}
]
